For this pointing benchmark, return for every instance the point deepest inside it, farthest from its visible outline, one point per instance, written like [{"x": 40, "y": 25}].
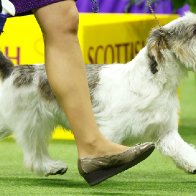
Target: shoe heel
[{"x": 96, "y": 177}]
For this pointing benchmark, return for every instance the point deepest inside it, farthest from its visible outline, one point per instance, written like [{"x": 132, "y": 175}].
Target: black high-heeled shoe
[{"x": 96, "y": 170}]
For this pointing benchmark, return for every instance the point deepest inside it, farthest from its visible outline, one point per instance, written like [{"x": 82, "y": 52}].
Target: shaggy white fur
[{"x": 136, "y": 101}]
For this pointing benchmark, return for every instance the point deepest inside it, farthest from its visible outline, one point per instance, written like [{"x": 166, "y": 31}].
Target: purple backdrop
[{"x": 119, "y": 6}]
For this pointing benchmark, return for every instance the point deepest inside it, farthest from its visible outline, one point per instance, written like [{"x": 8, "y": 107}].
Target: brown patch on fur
[
  {"x": 93, "y": 77},
  {"x": 23, "y": 75},
  {"x": 45, "y": 89},
  {"x": 153, "y": 64},
  {"x": 157, "y": 42}
]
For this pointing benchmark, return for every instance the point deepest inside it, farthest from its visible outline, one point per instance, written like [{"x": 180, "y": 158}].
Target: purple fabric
[
  {"x": 118, "y": 6},
  {"x": 184, "y": 9},
  {"x": 105, "y": 6},
  {"x": 3, "y": 18},
  {"x": 158, "y": 6},
  {"x": 26, "y": 6}
]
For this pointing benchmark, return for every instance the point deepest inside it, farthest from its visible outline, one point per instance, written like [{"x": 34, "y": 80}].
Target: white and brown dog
[{"x": 133, "y": 101}]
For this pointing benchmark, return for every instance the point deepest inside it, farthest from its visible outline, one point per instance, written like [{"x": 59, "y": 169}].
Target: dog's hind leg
[
  {"x": 34, "y": 142},
  {"x": 4, "y": 133},
  {"x": 4, "y": 130},
  {"x": 183, "y": 154}
]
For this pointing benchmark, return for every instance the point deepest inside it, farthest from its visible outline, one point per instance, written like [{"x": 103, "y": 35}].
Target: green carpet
[{"x": 155, "y": 176}]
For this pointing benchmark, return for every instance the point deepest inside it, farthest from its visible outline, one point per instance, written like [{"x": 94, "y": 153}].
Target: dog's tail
[{"x": 6, "y": 67}]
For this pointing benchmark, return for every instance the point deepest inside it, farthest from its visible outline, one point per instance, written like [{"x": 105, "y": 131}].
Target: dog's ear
[{"x": 156, "y": 43}]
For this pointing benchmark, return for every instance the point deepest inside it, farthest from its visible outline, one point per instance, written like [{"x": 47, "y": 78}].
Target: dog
[{"x": 136, "y": 101}]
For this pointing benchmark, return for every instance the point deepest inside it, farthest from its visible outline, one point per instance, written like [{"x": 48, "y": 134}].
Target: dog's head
[{"x": 175, "y": 41}]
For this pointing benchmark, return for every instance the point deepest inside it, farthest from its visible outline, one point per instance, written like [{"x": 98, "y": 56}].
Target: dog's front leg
[
  {"x": 34, "y": 142},
  {"x": 183, "y": 154}
]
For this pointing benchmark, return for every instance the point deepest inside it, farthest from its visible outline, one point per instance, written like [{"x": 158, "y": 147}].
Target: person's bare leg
[{"x": 66, "y": 75}]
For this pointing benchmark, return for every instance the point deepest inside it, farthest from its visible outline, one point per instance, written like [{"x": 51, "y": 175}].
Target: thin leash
[
  {"x": 149, "y": 3},
  {"x": 95, "y": 6},
  {"x": 95, "y": 9}
]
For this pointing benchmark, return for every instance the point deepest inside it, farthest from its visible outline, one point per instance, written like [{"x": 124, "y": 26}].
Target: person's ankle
[{"x": 91, "y": 148}]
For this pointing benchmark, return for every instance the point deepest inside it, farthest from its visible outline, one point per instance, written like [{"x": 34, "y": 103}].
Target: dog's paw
[
  {"x": 192, "y": 171},
  {"x": 57, "y": 167},
  {"x": 47, "y": 167},
  {"x": 189, "y": 169}
]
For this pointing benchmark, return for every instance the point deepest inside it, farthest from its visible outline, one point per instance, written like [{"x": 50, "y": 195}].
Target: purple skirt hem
[{"x": 25, "y": 7}]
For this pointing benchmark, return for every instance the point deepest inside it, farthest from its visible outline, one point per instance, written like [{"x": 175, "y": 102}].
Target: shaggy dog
[{"x": 133, "y": 101}]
